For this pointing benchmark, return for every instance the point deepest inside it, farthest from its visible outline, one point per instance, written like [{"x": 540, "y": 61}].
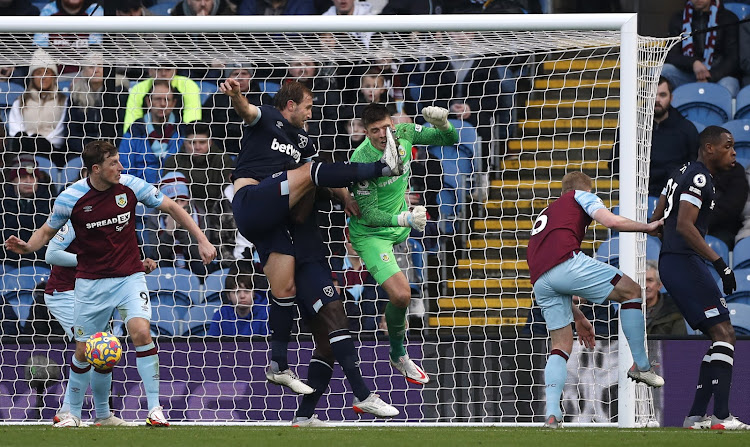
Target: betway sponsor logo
[
  {"x": 120, "y": 219},
  {"x": 288, "y": 149}
]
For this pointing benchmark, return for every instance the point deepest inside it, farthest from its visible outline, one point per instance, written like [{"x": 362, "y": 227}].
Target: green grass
[{"x": 230, "y": 436}]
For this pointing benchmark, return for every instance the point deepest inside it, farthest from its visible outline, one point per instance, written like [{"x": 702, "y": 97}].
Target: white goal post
[{"x": 472, "y": 304}]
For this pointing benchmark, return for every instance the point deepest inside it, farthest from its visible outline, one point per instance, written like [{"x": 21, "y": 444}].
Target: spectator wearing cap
[
  {"x": 133, "y": 8},
  {"x": 277, "y": 8},
  {"x": 164, "y": 239},
  {"x": 24, "y": 207},
  {"x": 37, "y": 117},
  {"x": 203, "y": 8},
  {"x": 155, "y": 136},
  {"x": 96, "y": 99},
  {"x": 205, "y": 166},
  {"x": 245, "y": 309},
  {"x": 226, "y": 124},
  {"x": 188, "y": 90}
]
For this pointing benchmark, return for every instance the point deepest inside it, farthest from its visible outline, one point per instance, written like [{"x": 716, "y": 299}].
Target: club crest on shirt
[
  {"x": 279, "y": 124},
  {"x": 699, "y": 180},
  {"x": 302, "y": 140},
  {"x": 121, "y": 200},
  {"x": 401, "y": 151},
  {"x": 328, "y": 290},
  {"x": 384, "y": 257}
]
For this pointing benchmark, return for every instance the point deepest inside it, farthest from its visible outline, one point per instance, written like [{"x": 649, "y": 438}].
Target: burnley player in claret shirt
[
  {"x": 110, "y": 273},
  {"x": 559, "y": 270}
]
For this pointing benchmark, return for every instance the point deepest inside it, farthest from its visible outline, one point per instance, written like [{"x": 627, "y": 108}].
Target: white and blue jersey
[
  {"x": 271, "y": 144},
  {"x": 59, "y": 294}
]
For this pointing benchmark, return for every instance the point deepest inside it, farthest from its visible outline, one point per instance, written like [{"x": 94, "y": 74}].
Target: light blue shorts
[
  {"x": 60, "y": 306},
  {"x": 579, "y": 275},
  {"x": 97, "y": 299}
]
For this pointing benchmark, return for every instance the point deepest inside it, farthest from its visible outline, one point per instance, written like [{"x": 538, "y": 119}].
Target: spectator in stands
[
  {"x": 704, "y": 56},
  {"x": 164, "y": 239},
  {"x": 155, "y": 136},
  {"x": 731, "y": 196},
  {"x": 69, "y": 40},
  {"x": 245, "y": 309},
  {"x": 276, "y": 7},
  {"x": 674, "y": 140},
  {"x": 132, "y": 8},
  {"x": 37, "y": 118},
  {"x": 18, "y": 8},
  {"x": 371, "y": 89},
  {"x": 745, "y": 230},
  {"x": 351, "y": 8},
  {"x": 26, "y": 202},
  {"x": 662, "y": 315},
  {"x": 226, "y": 124},
  {"x": 188, "y": 90},
  {"x": 96, "y": 99},
  {"x": 413, "y": 7},
  {"x": 203, "y": 8},
  {"x": 206, "y": 168}
]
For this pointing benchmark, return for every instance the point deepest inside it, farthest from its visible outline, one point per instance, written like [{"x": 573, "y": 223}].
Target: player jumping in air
[
  {"x": 559, "y": 270},
  {"x": 110, "y": 273},
  {"x": 386, "y": 220},
  {"x": 685, "y": 205}
]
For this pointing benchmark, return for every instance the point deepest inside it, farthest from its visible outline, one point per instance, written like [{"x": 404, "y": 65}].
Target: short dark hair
[
  {"x": 96, "y": 152},
  {"x": 291, "y": 91},
  {"x": 662, "y": 80},
  {"x": 128, "y": 5},
  {"x": 197, "y": 128},
  {"x": 373, "y": 113},
  {"x": 712, "y": 135}
]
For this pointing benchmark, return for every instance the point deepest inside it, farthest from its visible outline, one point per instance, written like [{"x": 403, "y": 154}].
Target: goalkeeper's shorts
[{"x": 377, "y": 254}]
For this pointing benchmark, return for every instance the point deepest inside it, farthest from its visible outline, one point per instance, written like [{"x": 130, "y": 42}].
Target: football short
[
  {"x": 579, "y": 275},
  {"x": 97, "y": 299},
  {"x": 261, "y": 213},
  {"x": 377, "y": 254},
  {"x": 60, "y": 306},
  {"x": 688, "y": 280},
  {"x": 315, "y": 288}
]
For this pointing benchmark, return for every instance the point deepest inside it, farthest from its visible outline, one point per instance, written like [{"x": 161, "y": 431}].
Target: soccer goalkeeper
[{"x": 386, "y": 219}]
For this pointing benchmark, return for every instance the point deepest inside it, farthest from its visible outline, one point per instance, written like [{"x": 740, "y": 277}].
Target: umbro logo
[{"x": 87, "y": 208}]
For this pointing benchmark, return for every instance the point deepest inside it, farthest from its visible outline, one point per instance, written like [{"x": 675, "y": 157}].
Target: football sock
[
  {"x": 341, "y": 175},
  {"x": 555, "y": 374},
  {"x": 78, "y": 384},
  {"x": 65, "y": 407},
  {"x": 634, "y": 327},
  {"x": 395, "y": 318},
  {"x": 704, "y": 389},
  {"x": 318, "y": 377},
  {"x": 101, "y": 385},
  {"x": 147, "y": 362},
  {"x": 722, "y": 361},
  {"x": 280, "y": 321},
  {"x": 346, "y": 354}
]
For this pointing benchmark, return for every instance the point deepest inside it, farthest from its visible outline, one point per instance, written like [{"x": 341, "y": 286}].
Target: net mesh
[{"x": 529, "y": 107}]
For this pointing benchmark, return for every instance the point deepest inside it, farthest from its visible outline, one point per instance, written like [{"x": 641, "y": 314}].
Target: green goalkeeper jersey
[{"x": 381, "y": 200}]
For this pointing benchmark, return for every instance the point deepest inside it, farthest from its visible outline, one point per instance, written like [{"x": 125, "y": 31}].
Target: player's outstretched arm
[
  {"x": 205, "y": 248},
  {"x": 620, "y": 223},
  {"x": 37, "y": 240},
  {"x": 247, "y": 111}
]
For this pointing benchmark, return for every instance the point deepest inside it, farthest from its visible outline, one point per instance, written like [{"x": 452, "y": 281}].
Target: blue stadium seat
[
  {"x": 706, "y": 103},
  {"x": 198, "y": 319},
  {"x": 698, "y": 126},
  {"x": 741, "y": 254},
  {"x": 269, "y": 87},
  {"x": 743, "y": 104},
  {"x": 9, "y": 92},
  {"x": 214, "y": 285},
  {"x": 71, "y": 171},
  {"x": 167, "y": 320},
  {"x": 163, "y": 8},
  {"x": 718, "y": 246},
  {"x": 653, "y": 247},
  {"x": 740, "y": 130},
  {"x": 609, "y": 251},
  {"x": 51, "y": 169},
  {"x": 741, "y": 10},
  {"x": 18, "y": 286},
  {"x": 207, "y": 89},
  {"x": 739, "y": 315},
  {"x": 181, "y": 284}
]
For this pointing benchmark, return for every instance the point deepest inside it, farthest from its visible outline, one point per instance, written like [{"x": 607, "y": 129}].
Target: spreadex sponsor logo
[{"x": 119, "y": 219}]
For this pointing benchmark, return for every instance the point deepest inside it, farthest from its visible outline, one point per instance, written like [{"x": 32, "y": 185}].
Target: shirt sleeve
[
  {"x": 366, "y": 195},
  {"x": 145, "y": 192},
  {"x": 589, "y": 202},
  {"x": 431, "y": 136},
  {"x": 56, "y": 254},
  {"x": 61, "y": 211},
  {"x": 695, "y": 191}
]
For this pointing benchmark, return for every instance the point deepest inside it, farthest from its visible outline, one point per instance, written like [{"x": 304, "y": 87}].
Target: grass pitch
[{"x": 225, "y": 436}]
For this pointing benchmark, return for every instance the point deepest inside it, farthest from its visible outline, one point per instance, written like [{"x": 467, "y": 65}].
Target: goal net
[{"x": 532, "y": 97}]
